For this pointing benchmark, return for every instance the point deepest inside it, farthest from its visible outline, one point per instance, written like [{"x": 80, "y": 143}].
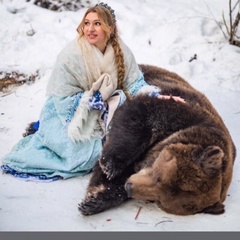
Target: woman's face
[{"x": 93, "y": 31}]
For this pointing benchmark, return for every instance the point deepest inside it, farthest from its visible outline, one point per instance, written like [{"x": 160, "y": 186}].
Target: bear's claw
[
  {"x": 108, "y": 169},
  {"x": 113, "y": 196},
  {"x": 89, "y": 206}
]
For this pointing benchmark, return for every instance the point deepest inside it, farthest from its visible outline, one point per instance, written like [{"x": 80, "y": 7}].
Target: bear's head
[{"x": 184, "y": 179}]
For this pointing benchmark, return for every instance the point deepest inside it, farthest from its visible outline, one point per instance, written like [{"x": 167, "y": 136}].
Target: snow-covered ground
[{"x": 163, "y": 33}]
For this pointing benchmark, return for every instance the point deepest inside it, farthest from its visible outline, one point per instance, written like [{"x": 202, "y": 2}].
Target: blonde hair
[{"x": 108, "y": 21}]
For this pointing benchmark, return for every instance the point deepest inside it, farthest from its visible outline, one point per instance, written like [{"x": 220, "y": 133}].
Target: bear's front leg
[
  {"x": 128, "y": 139},
  {"x": 103, "y": 194}
]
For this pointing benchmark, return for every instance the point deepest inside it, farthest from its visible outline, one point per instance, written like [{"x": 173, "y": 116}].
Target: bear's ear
[
  {"x": 210, "y": 160},
  {"x": 217, "y": 208}
]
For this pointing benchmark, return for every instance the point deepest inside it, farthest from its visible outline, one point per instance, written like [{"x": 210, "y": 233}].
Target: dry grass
[{"x": 10, "y": 80}]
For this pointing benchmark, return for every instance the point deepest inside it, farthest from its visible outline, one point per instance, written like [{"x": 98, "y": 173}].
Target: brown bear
[{"x": 179, "y": 155}]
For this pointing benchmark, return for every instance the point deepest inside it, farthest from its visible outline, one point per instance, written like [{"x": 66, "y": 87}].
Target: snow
[{"x": 162, "y": 33}]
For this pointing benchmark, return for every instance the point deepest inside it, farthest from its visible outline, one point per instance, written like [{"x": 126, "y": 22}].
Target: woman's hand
[
  {"x": 176, "y": 98},
  {"x": 104, "y": 85},
  {"x": 106, "y": 88}
]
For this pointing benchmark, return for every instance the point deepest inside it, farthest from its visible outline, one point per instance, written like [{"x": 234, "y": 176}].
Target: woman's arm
[{"x": 141, "y": 86}]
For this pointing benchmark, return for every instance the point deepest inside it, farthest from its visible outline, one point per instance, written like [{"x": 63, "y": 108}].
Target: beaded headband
[{"x": 109, "y": 8}]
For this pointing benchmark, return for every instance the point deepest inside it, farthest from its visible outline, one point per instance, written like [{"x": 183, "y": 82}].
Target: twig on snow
[
  {"x": 163, "y": 222},
  {"x": 140, "y": 208},
  {"x": 93, "y": 226},
  {"x": 193, "y": 58}
]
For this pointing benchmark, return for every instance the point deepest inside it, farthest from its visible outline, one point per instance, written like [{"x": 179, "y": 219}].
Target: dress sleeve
[{"x": 140, "y": 85}]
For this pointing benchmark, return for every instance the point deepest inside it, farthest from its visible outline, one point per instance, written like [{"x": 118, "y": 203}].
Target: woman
[{"x": 92, "y": 76}]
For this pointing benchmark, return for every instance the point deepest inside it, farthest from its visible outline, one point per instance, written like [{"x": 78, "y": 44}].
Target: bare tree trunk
[{"x": 234, "y": 25}]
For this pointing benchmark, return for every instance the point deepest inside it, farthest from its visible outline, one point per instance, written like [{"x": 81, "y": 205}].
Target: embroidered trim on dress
[
  {"x": 29, "y": 176},
  {"x": 73, "y": 106},
  {"x": 137, "y": 85}
]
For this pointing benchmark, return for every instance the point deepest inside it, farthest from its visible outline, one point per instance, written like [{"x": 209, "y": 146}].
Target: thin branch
[
  {"x": 230, "y": 20},
  {"x": 226, "y": 26},
  {"x": 218, "y": 23},
  {"x": 238, "y": 2},
  {"x": 236, "y": 22}
]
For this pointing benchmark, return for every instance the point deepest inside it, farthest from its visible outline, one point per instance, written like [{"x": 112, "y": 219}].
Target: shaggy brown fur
[{"x": 179, "y": 155}]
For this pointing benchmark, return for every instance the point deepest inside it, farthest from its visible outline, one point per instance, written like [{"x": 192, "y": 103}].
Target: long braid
[
  {"x": 119, "y": 62},
  {"x": 119, "y": 59}
]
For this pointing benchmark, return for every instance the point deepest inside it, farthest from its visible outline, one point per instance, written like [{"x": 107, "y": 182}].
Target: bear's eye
[{"x": 158, "y": 180}]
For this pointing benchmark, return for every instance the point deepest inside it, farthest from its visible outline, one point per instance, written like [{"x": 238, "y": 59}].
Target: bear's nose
[{"x": 128, "y": 187}]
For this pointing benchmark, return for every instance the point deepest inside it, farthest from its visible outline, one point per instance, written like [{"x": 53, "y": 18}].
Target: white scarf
[
  {"x": 97, "y": 63},
  {"x": 86, "y": 123}
]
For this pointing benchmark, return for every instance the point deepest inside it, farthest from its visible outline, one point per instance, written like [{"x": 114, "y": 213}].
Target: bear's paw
[
  {"x": 96, "y": 203},
  {"x": 89, "y": 206}
]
